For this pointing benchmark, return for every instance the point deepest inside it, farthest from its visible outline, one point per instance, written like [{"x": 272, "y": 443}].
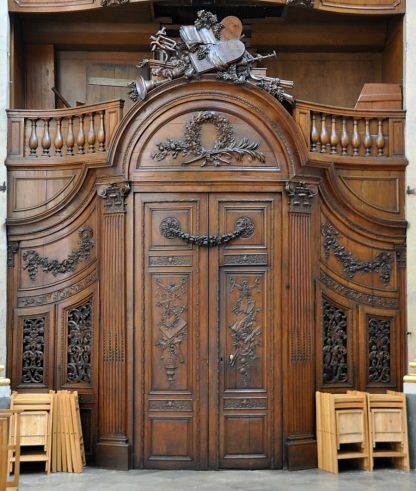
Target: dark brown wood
[{"x": 200, "y": 347}]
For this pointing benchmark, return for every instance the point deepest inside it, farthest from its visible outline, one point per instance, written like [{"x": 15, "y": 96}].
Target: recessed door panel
[{"x": 207, "y": 331}]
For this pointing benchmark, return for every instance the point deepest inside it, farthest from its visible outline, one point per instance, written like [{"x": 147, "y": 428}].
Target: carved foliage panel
[
  {"x": 379, "y": 332},
  {"x": 245, "y": 325},
  {"x": 336, "y": 343},
  {"x": 33, "y": 348}
]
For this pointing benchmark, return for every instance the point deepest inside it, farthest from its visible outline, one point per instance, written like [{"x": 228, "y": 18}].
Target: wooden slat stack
[
  {"x": 7, "y": 448},
  {"x": 67, "y": 443}
]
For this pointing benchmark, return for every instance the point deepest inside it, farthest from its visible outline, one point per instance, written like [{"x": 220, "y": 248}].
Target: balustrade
[
  {"x": 351, "y": 133},
  {"x": 63, "y": 133}
]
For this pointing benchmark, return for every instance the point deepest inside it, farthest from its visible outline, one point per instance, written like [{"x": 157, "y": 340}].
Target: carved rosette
[
  {"x": 244, "y": 330},
  {"x": 33, "y": 357},
  {"x": 300, "y": 197},
  {"x": 114, "y": 197},
  {"x": 79, "y": 349},
  {"x": 379, "y": 350},
  {"x": 335, "y": 326}
]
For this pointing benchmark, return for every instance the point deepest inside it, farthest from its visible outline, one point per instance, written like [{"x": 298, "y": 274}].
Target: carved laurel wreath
[{"x": 224, "y": 149}]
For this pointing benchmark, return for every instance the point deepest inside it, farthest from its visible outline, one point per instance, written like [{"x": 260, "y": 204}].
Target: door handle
[{"x": 170, "y": 228}]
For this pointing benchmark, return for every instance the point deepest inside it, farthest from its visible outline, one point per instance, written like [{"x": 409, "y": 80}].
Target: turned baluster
[
  {"x": 333, "y": 139},
  {"x": 367, "y": 138},
  {"x": 380, "y": 142},
  {"x": 345, "y": 139},
  {"x": 356, "y": 140},
  {"x": 33, "y": 140},
  {"x": 46, "y": 138},
  {"x": 91, "y": 135},
  {"x": 70, "y": 139},
  {"x": 324, "y": 137},
  {"x": 59, "y": 142},
  {"x": 101, "y": 133},
  {"x": 314, "y": 134},
  {"x": 81, "y": 135}
]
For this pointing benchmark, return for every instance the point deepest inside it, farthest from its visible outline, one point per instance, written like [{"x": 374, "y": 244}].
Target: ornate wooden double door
[{"x": 208, "y": 322}]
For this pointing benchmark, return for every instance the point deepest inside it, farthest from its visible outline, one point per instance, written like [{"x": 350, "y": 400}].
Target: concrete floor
[{"x": 150, "y": 480}]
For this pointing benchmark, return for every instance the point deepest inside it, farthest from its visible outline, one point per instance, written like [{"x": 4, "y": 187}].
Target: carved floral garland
[{"x": 224, "y": 149}]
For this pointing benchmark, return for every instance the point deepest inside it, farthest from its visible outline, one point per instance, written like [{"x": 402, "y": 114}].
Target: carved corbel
[
  {"x": 300, "y": 197},
  {"x": 114, "y": 197},
  {"x": 12, "y": 248}
]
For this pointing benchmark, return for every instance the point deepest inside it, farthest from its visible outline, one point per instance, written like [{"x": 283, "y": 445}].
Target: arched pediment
[{"x": 216, "y": 128}]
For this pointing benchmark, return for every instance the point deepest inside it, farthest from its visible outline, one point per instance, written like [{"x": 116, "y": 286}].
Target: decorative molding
[
  {"x": 300, "y": 196},
  {"x": 111, "y": 3},
  {"x": 225, "y": 147},
  {"x": 170, "y": 228},
  {"x": 57, "y": 295},
  {"x": 401, "y": 255},
  {"x": 249, "y": 403},
  {"x": 379, "y": 332},
  {"x": 374, "y": 300},
  {"x": 172, "y": 326},
  {"x": 300, "y": 3},
  {"x": 114, "y": 197},
  {"x": 12, "y": 249},
  {"x": 80, "y": 342},
  {"x": 155, "y": 261},
  {"x": 381, "y": 264},
  {"x": 33, "y": 260},
  {"x": 245, "y": 259},
  {"x": 33, "y": 356},
  {"x": 171, "y": 405},
  {"x": 207, "y": 46},
  {"x": 245, "y": 332},
  {"x": 334, "y": 349}
]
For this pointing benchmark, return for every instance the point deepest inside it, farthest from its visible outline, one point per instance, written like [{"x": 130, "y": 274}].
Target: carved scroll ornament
[
  {"x": 379, "y": 350},
  {"x": 207, "y": 46},
  {"x": 170, "y": 228},
  {"x": 224, "y": 149},
  {"x": 300, "y": 196},
  {"x": 33, "y": 261},
  {"x": 80, "y": 335},
  {"x": 114, "y": 197},
  {"x": 33, "y": 357},
  {"x": 381, "y": 264}
]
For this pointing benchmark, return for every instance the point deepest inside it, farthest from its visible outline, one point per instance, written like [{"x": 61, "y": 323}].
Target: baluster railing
[
  {"x": 351, "y": 132},
  {"x": 62, "y": 133}
]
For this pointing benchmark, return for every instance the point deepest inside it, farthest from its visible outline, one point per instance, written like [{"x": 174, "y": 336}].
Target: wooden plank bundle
[
  {"x": 357, "y": 425},
  {"x": 67, "y": 442}
]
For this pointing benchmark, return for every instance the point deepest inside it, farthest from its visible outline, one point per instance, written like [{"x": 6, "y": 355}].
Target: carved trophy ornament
[{"x": 207, "y": 46}]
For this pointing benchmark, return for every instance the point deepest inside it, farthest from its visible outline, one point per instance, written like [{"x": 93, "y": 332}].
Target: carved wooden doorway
[{"x": 207, "y": 337}]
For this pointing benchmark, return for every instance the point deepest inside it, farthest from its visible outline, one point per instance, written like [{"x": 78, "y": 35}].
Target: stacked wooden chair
[
  {"x": 362, "y": 427},
  {"x": 342, "y": 429},
  {"x": 68, "y": 453},
  {"x": 7, "y": 420},
  {"x": 35, "y": 428},
  {"x": 388, "y": 428}
]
